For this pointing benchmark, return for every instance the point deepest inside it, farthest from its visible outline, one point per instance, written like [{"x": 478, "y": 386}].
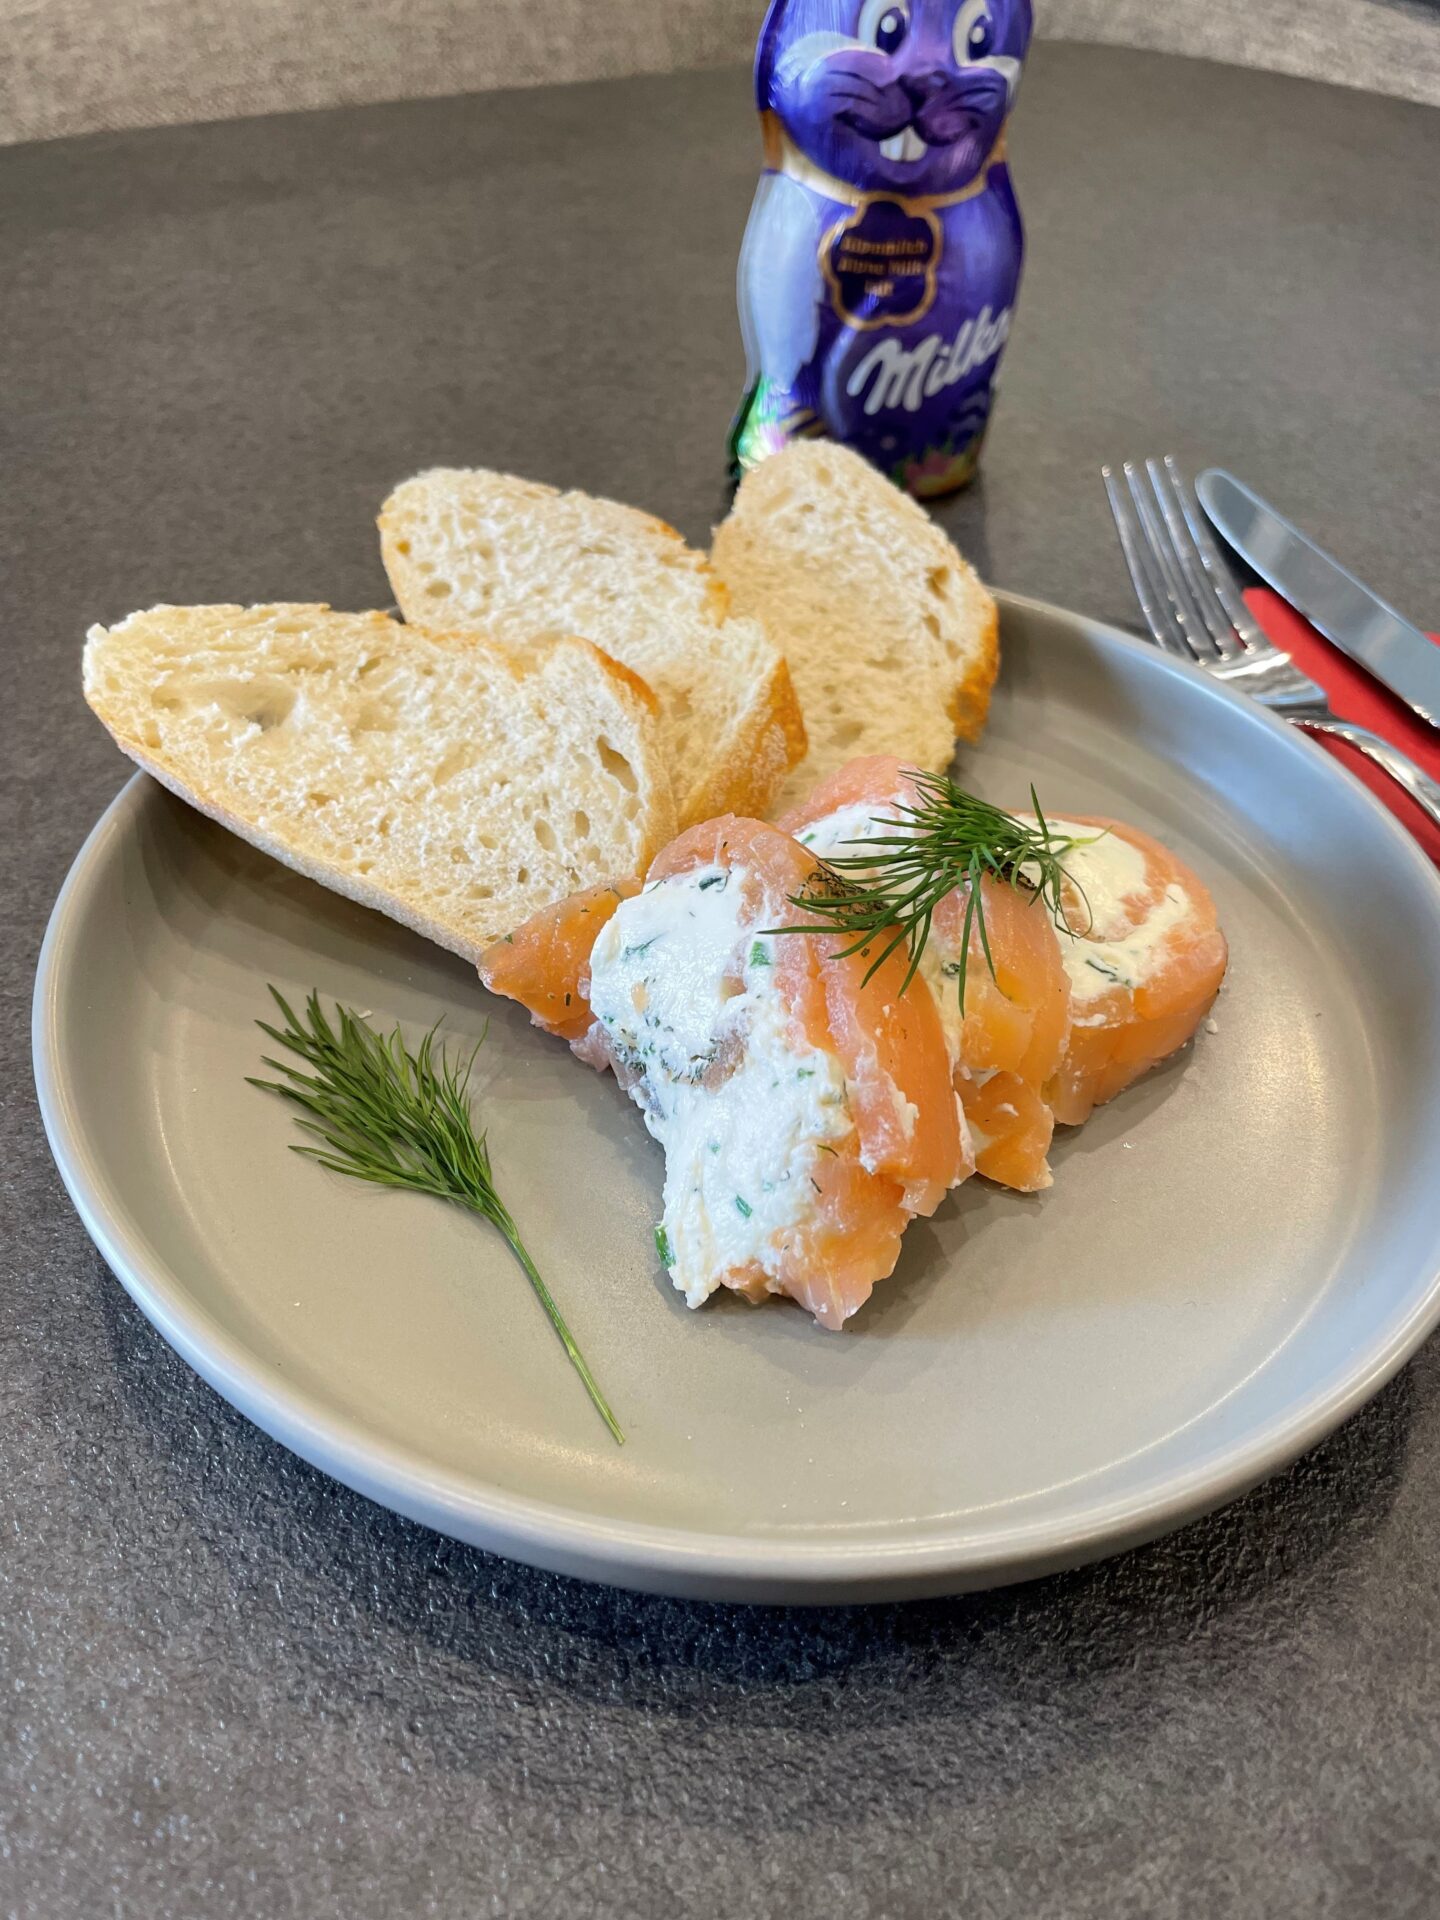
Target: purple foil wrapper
[{"x": 880, "y": 265}]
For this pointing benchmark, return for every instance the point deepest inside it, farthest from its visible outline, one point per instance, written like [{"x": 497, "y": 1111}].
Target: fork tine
[
  {"x": 1165, "y": 629},
  {"x": 1222, "y": 581},
  {"x": 1166, "y": 483},
  {"x": 1186, "y": 612}
]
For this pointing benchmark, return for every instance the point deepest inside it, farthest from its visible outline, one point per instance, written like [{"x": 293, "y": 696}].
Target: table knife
[{"x": 1332, "y": 600}]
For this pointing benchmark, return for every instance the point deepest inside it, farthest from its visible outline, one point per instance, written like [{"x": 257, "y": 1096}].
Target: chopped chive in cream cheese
[{"x": 696, "y": 1016}]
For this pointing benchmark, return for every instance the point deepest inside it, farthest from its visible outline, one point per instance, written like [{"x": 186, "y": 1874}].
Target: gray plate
[{"x": 1235, "y": 1254}]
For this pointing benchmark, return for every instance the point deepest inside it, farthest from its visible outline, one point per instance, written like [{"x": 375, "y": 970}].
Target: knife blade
[{"x": 1340, "y": 606}]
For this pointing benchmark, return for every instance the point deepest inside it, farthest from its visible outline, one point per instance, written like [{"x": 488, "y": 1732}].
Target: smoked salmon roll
[
  {"x": 807, "y": 1115},
  {"x": 1060, "y": 1014},
  {"x": 1008, "y": 1040},
  {"x": 1144, "y": 956}
]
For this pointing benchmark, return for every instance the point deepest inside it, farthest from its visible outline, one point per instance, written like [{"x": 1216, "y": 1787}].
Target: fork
[{"x": 1193, "y": 607}]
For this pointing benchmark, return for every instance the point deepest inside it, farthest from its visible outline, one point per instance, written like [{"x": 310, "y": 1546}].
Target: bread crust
[
  {"x": 970, "y": 707},
  {"x": 767, "y": 742}
]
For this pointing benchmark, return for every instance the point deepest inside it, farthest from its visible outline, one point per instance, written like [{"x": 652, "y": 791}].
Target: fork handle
[{"x": 1424, "y": 791}]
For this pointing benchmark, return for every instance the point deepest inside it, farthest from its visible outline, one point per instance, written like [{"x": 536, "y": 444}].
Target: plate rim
[{"x": 761, "y": 1568}]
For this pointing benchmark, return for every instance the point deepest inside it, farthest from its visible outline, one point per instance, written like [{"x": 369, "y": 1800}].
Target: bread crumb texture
[
  {"x": 891, "y": 640},
  {"x": 444, "y": 778},
  {"x": 475, "y": 549}
]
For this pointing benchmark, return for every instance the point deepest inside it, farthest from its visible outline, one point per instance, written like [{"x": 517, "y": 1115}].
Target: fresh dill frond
[
  {"x": 382, "y": 1114},
  {"x": 945, "y": 838}
]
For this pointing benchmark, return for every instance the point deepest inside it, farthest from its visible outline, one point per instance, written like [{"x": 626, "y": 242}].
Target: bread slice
[
  {"x": 451, "y": 783},
  {"x": 892, "y": 641},
  {"x": 520, "y": 561}
]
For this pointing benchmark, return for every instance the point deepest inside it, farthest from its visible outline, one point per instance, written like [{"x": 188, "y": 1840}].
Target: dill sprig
[
  {"x": 945, "y": 839},
  {"x": 399, "y": 1119}
]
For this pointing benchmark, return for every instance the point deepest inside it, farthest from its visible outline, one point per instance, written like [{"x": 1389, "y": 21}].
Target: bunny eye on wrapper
[{"x": 879, "y": 268}]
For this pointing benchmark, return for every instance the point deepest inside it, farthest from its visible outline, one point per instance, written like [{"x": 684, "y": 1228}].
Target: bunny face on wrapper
[{"x": 882, "y": 257}]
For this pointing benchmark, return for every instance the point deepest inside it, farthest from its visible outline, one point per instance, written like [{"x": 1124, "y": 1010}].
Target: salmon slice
[
  {"x": 1009, "y": 1038},
  {"x": 807, "y": 1115},
  {"x": 891, "y": 1045},
  {"x": 545, "y": 964},
  {"x": 1145, "y": 958}
]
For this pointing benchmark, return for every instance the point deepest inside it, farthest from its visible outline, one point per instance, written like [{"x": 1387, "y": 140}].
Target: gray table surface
[{"x": 227, "y": 1685}]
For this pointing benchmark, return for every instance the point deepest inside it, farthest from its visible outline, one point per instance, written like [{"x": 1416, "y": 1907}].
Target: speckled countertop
[{"x": 228, "y": 1686}]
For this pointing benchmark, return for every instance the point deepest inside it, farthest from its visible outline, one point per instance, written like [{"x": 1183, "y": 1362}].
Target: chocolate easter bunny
[{"x": 879, "y": 269}]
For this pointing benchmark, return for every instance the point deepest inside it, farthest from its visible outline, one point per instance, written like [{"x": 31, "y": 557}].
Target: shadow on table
[{"x": 384, "y": 1617}]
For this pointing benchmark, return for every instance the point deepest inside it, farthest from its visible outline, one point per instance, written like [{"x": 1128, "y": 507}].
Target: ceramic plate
[{"x": 1234, "y": 1255}]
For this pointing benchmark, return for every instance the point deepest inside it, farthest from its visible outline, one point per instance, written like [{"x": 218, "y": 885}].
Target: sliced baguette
[
  {"x": 452, "y": 784},
  {"x": 892, "y": 641},
  {"x": 520, "y": 561}
]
